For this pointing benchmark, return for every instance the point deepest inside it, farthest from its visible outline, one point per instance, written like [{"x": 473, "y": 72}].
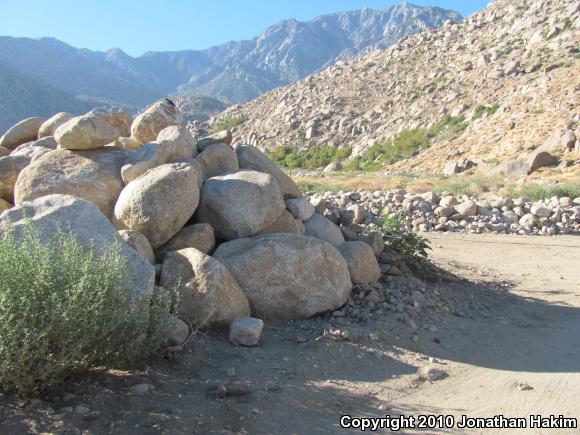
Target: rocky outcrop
[
  {"x": 287, "y": 276},
  {"x": 464, "y": 88}
]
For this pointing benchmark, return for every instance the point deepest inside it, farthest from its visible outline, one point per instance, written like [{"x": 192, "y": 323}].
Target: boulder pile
[
  {"x": 221, "y": 226},
  {"x": 447, "y": 212}
]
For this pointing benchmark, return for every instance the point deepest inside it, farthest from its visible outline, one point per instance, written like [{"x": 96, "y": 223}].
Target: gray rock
[
  {"x": 10, "y": 169},
  {"x": 286, "y": 223},
  {"x": 48, "y": 127},
  {"x": 246, "y": 331},
  {"x": 321, "y": 228},
  {"x": 174, "y": 143},
  {"x": 375, "y": 240},
  {"x": 539, "y": 159},
  {"x": 87, "y": 132},
  {"x": 287, "y": 276},
  {"x": 301, "y": 208},
  {"x": 466, "y": 208},
  {"x": 224, "y": 137}
]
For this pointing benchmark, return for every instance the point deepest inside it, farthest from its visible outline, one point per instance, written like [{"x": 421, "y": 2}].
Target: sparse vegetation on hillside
[
  {"x": 314, "y": 158},
  {"x": 406, "y": 143},
  {"x": 228, "y": 124},
  {"x": 64, "y": 309},
  {"x": 481, "y": 110}
]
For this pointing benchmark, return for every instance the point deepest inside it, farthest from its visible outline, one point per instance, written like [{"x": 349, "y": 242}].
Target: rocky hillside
[
  {"x": 21, "y": 95},
  {"x": 233, "y": 72},
  {"x": 489, "y": 88}
]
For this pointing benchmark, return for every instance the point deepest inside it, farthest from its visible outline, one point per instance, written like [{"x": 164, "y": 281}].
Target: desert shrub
[
  {"x": 481, "y": 110},
  {"x": 315, "y": 157},
  {"x": 408, "y": 244},
  {"x": 535, "y": 192},
  {"x": 64, "y": 309},
  {"x": 228, "y": 124}
]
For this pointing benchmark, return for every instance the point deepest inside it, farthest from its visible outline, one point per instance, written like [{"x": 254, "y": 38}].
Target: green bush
[
  {"x": 64, "y": 309},
  {"x": 409, "y": 245},
  {"x": 481, "y": 110},
  {"x": 316, "y": 157},
  {"x": 535, "y": 192}
]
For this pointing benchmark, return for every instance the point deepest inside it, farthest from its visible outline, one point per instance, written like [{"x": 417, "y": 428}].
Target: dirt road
[{"x": 507, "y": 335}]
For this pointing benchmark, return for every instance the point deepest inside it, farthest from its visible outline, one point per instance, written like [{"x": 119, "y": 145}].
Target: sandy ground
[{"x": 507, "y": 337}]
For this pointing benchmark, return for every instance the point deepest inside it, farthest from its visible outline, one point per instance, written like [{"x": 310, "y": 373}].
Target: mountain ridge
[{"x": 234, "y": 72}]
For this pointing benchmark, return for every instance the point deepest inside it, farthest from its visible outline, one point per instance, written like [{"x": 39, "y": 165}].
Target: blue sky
[{"x": 156, "y": 25}]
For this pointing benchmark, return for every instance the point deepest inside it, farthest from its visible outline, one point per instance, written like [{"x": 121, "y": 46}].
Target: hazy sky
[{"x": 138, "y": 26}]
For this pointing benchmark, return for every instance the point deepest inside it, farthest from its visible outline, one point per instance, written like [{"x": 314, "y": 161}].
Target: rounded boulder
[
  {"x": 91, "y": 175},
  {"x": 287, "y": 276},
  {"x": 240, "y": 204},
  {"x": 159, "y": 203},
  {"x": 208, "y": 294}
]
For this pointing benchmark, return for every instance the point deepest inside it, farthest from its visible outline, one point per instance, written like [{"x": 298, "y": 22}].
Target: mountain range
[
  {"x": 46, "y": 71},
  {"x": 492, "y": 88}
]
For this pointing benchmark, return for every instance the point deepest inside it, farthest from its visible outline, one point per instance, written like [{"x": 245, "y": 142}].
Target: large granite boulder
[
  {"x": 287, "y": 276},
  {"x": 22, "y": 132},
  {"x": 250, "y": 157},
  {"x": 155, "y": 118},
  {"x": 217, "y": 159},
  {"x": 173, "y": 143},
  {"x": 49, "y": 126},
  {"x": 159, "y": 203},
  {"x": 89, "y": 226},
  {"x": 87, "y": 132},
  {"x": 208, "y": 293},
  {"x": 91, "y": 175},
  {"x": 240, "y": 204}
]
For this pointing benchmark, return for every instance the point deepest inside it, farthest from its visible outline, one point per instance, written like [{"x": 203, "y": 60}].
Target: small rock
[
  {"x": 141, "y": 389},
  {"x": 246, "y": 331}
]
